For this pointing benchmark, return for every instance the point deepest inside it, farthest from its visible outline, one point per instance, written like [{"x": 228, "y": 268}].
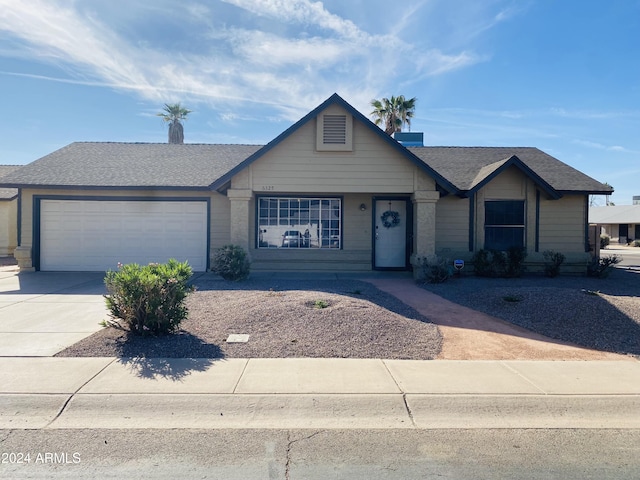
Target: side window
[{"x": 504, "y": 222}]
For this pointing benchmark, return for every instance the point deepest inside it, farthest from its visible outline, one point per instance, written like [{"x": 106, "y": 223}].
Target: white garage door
[{"x": 89, "y": 235}]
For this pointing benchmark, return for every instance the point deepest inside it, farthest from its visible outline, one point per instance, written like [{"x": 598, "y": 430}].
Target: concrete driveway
[{"x": 42, "y": 313}]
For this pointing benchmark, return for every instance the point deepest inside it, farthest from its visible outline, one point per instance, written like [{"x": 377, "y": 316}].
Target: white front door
[{"x": 390, "y": 234}]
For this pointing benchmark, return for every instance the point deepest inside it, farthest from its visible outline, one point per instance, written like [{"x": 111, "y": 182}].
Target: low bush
[
  {"x": 484, "y": 263},
  {"x": 552, "y": 262},
  {"x": 231, "y": 263},
  {"x": 149, "y": 299},
  {"x": 434, "y": 269},
  {"x": 514, "y": 266},
  {"x": 494, "y": 263},
  {"x": 604, "y": 241},
  {"x": 636, "y": 243},
  {"x": 601, "y": 267}
]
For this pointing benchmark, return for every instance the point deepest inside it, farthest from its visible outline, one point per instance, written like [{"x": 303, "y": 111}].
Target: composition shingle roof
[
  {"x": 465, "y": 167},
  {"x": 8, "y": 193},
  {"x": 130, "y": 165},
  {"x": 198, "y": 166},
  {"x": 457, "y": 170}
]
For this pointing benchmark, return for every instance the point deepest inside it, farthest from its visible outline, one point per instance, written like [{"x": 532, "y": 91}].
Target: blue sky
[{"x": 563, "y": 76}]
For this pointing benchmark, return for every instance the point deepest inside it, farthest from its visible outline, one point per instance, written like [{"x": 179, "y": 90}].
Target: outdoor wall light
[{"x": 363, "y": 207}]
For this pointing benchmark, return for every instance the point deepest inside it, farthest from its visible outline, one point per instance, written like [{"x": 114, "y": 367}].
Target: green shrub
[
  {"x": 489, "y": 263},
  {"x": 552, "y": 262},
  {"x": 604, "y": 241},
  {"x": 149, "y": 299},
  {"x": 514, "y": 266},
  {"x": 231, "y": 263},
  {"x": 320, "y": 304},
  {"x": 483, "y": 263},
  {"x": 434, "y": 269},
  {"x": 636, "y": 243},
  {"x": 601, "y": 267},
  {"x": 495, "y": 263}
]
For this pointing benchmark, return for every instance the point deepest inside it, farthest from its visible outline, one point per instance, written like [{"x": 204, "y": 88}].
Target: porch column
[
  {"x": 240, "y": 229},
  {"x": 424, "y": 224},
  {"x": 23, "y": 257}
]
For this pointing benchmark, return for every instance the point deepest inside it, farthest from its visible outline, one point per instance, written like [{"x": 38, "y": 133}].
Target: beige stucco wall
[
  {"x": 295, "y": 165},
  {"x": 561, "y": 222},
  {"x": 452, "y": 226},
  {"x": 8, "y": 226}
]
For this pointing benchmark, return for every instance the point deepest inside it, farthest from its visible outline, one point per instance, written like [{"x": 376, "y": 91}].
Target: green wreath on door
[{"x": 390, "y": 219}]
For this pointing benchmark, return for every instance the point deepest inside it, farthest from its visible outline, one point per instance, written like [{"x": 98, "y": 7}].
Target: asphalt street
[{"x": 323, "y": 454}]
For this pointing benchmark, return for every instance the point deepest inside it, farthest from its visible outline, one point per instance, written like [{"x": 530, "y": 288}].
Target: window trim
[{"x": 279, "y": 197}]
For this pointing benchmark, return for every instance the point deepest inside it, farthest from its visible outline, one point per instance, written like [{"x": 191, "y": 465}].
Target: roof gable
[
  {"x": 491, "y": 171},
  {"x": 335, "y": 99},
  {"x": 466, "y": 167}
]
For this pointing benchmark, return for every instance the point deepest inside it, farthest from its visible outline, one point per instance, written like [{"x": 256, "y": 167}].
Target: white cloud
[
  {"x": 600, "y": 146},
  {"x": 266, "y": 49},
  {"x": 293, "y": 67},
  {"x": 57, "y": 34},
  {"x": 302, "y": 12}
]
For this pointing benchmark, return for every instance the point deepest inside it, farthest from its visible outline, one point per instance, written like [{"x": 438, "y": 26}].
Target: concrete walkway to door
[
  {"x": 42, "y": 313},
  {"x": 472, "y": 335}
]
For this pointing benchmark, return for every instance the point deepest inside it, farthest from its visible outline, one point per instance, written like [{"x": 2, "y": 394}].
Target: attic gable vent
[
  {"x": 335, "y": 129},
  {"x": 335, "y": 132}
]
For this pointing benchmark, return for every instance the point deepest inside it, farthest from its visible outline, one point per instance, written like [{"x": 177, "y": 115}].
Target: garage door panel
[{"x": 96, "y": 235}]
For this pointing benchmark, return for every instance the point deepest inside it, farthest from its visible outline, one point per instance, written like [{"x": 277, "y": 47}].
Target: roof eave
[
  {"x": 585, "y": 192},
  {"x": 204, "y": 188}
]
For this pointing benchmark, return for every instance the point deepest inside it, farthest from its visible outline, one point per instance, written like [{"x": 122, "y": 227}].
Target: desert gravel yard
[
  {"x": 598, "y": 313},
  {"x": 354, "y": 319},
  {"x": 283, "y": 318}
]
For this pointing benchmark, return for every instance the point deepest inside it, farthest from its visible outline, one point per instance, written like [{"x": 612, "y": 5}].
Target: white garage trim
[{"x": 95, "y": 234}]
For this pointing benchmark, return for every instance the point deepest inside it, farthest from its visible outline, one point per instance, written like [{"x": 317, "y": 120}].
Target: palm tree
[
  {"x": 394, "y": 113},
  {"x": 173, "y": 114}
]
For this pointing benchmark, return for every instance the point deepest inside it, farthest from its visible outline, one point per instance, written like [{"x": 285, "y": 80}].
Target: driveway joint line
[{"x": 77, "y": 390}]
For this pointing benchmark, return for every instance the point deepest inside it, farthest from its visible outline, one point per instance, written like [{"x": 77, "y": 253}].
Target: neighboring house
[
  {"x": 621, "y": 223},
  {"x": 332, "y": 192},
  {"x": 8, "y": 214}
]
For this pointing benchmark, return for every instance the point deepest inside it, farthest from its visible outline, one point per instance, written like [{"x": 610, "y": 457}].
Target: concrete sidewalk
[{"x": 60, "y": 393}]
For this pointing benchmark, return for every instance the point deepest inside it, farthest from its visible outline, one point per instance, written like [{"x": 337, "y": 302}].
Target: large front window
[
  {"x": 292, "y": 222},
  {"x": 503, "y": 224}
]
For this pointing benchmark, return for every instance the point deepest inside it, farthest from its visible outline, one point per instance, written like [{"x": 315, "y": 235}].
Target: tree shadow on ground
[
  {"x": 175, "y": 369},
  {"x": 172, "y": 356}
]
